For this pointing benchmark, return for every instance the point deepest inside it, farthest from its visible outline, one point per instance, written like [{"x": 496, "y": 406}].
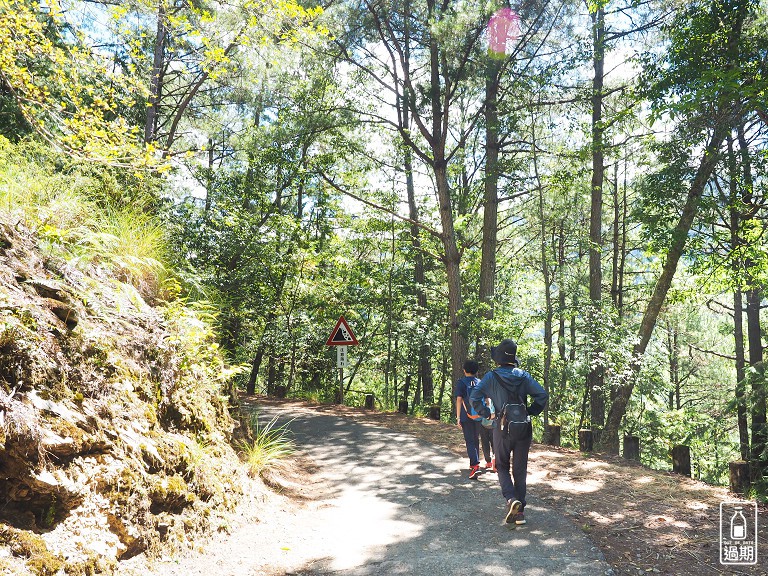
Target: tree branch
[
  {"x": 712, "y": 352},
  {"x": 346, "y": 192}
]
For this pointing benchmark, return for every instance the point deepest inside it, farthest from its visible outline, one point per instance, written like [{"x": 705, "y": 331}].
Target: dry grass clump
[
  {"x": 27, "y": 545},
  {"x": 21, "y": 423}
]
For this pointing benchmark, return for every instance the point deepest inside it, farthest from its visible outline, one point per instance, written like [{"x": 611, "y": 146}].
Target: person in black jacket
[{"x": 508, "y": 384}]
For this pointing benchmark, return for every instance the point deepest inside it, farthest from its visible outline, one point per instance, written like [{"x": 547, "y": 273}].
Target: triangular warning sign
[{"x": 342, "y": 335}]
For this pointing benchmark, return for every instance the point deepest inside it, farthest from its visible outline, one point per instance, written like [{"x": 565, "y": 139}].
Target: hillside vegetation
[{"x": 115, "y": 431}]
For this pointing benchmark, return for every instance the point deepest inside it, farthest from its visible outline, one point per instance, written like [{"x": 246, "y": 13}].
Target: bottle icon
[{"x": 738, "y": 526}]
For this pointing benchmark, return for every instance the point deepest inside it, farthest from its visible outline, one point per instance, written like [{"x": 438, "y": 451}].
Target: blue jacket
[{"x": 513, "y": 377}]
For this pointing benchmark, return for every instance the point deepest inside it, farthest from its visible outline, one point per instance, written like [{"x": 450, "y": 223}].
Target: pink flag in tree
[{"x": 503, "y": 28}]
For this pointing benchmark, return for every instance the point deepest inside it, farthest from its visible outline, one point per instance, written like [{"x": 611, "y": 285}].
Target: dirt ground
[{"x": 644, "y": 521}]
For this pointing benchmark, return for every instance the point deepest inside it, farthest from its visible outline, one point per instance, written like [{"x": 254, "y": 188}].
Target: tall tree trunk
[
  {"x": 741, "y": 404},
  {"x": 407, "y": 387},
  {"x": 595, "y": 376},
  {"x": 754, "y": 296},
  {"x": 617, "y": 225},
  {"x": 271, "y": 372},
  {"x": 623, "y": 249},
  {"x": 673, "y": 349},
  {"x": 156, "y": 79},
  {"x": 546, "y": 274},
  {"x": 548, "y": 327},
  {"x": 435, "y": 132},
  {"x": 554, "y": 402},
  {"x": 417, "y": 393},
  {"x": 486, "y": 289},
  {"x": 425, "y": 352},
  {"x": 425, "y": 361},
  {"x": 451, "y": 254},
  {"x": 255, "y": 365},
  {"x": 453, "y": 272},
  {"x": 610, "y": 436},
  {"x": 390, "y": 312},
  {"x": 738, "y": 304},
  {"x": 394, "y": 370}
]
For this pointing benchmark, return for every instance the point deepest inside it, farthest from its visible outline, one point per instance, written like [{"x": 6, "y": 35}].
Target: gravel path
[{"x": 372, "y": 501}]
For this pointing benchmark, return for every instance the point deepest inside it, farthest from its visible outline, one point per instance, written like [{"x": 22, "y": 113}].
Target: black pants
[
  {"x": 514, "y": 451},
  {"x": 486, "y": 441}
]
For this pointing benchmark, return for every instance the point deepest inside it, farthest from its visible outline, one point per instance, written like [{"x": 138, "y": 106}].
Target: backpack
[
  {"x": 473, "y": 415},
  {"x": 490, "y": 424},
  {"x": 513, "y": 417}
]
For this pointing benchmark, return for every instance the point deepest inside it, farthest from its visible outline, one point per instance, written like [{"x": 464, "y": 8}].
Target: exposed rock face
[{"x": 110, "y": 437}]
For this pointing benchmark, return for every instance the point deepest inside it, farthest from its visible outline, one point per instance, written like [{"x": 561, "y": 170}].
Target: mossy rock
[
  {"x": 171, "y": 494},
  {"x": 91, "y": 566},
  {"x": 28, "y": 545}
]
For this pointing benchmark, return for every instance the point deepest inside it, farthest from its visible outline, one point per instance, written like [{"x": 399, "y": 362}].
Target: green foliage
[
  {"x": 712, "y": 446},
  {"x": 79, "y": 214},
  {"x": 193, "y": 340},
  {"x": 708, "y": 62},
  {"x": 253, "y": 227}
]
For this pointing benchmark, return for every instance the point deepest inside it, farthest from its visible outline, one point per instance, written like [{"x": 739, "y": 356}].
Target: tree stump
[
  {"x": 739, "y": 476},
  {"x": 632, "y": 448},
  {"x": 552, "y": 434},
  {"x": 369, "y": 399},
  {"x": 681, "y": 460},
  {"x": 281, "y": 391},
  {"x": 402, "y": 407},
  {"x": 586, "y": 440},
  {"x": 434, "y": 412}
]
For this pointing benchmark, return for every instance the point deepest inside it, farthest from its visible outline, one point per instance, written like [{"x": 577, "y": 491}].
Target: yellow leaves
[
  {"x": 78, "y": 116},
  {"x": 72, "y": 97}
]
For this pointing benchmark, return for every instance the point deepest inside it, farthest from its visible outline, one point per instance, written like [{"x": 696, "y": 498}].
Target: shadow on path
[{"x": 402, "y": 506}]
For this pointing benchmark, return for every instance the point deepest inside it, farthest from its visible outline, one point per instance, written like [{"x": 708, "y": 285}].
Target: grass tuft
[{"x": 270, "y": 444}]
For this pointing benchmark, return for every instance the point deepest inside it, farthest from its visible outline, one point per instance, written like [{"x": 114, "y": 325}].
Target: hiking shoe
[
  {"x": 474, "y": 472},
  {"x": 513, "y": 509},
  {"x": 520, "y": 519}
]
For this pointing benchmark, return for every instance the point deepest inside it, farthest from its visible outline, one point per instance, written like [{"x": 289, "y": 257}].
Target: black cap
[{"x": 505, "y": 352}]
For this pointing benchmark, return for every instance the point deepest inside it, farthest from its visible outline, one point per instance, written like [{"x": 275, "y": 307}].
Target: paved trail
[
  {"x": 382, "y": 503},
  {"x": 403, "y": 506}
]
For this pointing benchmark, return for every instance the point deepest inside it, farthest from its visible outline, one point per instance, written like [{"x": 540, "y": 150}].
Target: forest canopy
[{"x": 586, "y": 178}]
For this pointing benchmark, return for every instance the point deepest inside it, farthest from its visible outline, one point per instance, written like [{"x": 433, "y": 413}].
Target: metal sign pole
[{"x": 341, "y": 361}]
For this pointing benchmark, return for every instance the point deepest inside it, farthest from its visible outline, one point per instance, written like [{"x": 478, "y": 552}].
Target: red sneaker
[{"x": 474, "y": 471}]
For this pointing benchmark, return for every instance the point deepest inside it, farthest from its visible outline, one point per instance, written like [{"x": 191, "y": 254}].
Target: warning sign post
[{"x": 341, "y": 337}]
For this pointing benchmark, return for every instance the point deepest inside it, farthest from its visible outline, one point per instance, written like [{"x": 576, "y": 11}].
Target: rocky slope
[{"x": 114, "y": 431}]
